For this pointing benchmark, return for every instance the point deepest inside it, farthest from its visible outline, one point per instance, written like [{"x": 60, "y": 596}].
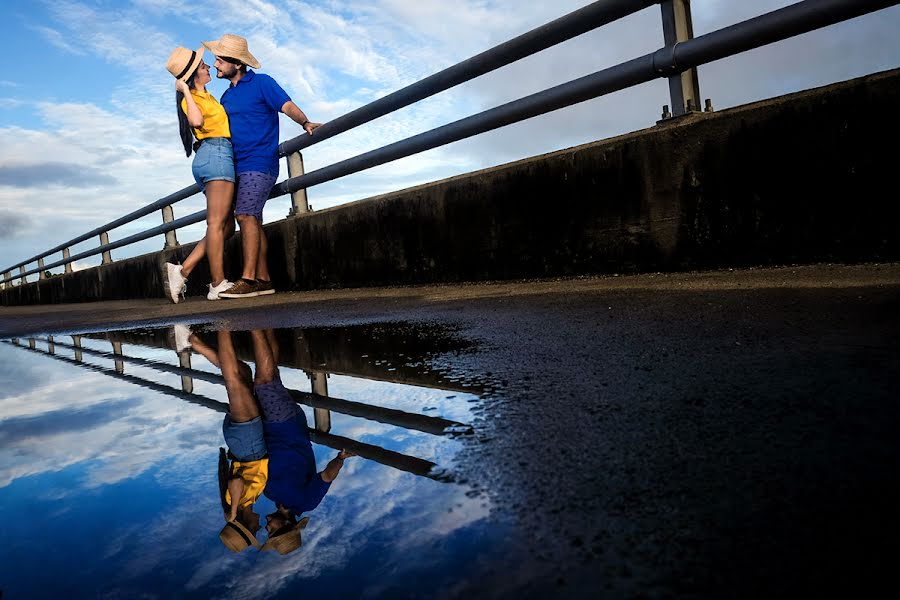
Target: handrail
[
  {"x": 391, "y": 416},
  {"x": 389, "y": 458},
  {"x": 667, "y": 62},
  {"x": 141, "y": 212},
  {"x": 555, "y": 32}
]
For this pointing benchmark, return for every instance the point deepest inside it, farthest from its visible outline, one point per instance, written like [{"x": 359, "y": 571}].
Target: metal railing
[
  {"x": 319, "y": 400},
  {"x": 676, "y": 61}
]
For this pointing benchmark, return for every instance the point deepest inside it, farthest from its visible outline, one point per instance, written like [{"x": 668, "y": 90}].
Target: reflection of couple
[
  {"x": 237, "y": 141},
  {"x": 269, "y": 446}
]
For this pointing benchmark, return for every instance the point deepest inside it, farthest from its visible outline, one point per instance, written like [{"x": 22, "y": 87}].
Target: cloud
[
  {"x": 9, "y": 84},
  {"x": 12, "y": 224},
  {"x": 58, "y": 39},
  {"x": 53, "y": 173},
  {"x": 11, "y": 103}
]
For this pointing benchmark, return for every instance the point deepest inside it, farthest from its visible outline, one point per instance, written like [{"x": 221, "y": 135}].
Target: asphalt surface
[{"x": 731, "y": 434}]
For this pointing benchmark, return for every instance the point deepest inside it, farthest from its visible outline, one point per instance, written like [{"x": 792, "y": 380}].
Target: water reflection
[{"x": 110, "y": 400}]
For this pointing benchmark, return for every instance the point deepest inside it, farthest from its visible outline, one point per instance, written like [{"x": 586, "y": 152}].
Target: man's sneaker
[
  {"x": 174, "y": 282},
  {"x": 215, "y": 290},
  {"x": 242, "y": 289},
  {"x": 182, "y": 333},
  {"x": 264, "y": 288}
]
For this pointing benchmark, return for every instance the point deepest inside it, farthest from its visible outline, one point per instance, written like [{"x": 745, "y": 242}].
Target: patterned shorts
[{"x": 253, "y": 189}]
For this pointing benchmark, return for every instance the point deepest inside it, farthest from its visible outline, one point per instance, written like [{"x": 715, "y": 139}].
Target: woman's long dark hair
[{"x": 184, "y": 128}]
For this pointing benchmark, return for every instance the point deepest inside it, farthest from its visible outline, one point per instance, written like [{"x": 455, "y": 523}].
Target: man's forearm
[
  {"x": 294, "y": 112},
  {"x": 331, "y": 471}
]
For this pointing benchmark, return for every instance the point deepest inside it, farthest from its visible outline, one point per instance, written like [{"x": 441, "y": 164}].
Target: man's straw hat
[
  {"x": 233, "y": 46},
  {"x": 183, "y": 62},
  {"x": 287, "y": 539}
]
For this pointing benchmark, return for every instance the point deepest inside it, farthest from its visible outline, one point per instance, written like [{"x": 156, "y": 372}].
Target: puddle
[{"x": 111, "y": 474}]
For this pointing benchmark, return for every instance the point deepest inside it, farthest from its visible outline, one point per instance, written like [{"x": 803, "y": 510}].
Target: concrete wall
[{"x": 802, "y": 178}]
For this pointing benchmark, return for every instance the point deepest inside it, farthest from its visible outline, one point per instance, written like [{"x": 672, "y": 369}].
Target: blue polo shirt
[
  {"x": 293, "y": 480},
  {"x": 253, "y": 106}
]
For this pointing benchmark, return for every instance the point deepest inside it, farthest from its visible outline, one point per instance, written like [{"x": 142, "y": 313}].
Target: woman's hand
[{"x": 182, "y": 87}]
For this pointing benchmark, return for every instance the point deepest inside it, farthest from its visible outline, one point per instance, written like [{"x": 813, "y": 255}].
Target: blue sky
[
  {"x": 131, "y": 472},
  {"x": 88, "y": 130}
]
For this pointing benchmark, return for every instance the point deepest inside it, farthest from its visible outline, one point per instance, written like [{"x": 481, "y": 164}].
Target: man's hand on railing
[{"x": 310, "y": 127}]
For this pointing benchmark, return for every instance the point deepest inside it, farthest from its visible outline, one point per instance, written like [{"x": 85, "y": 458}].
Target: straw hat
[
  {"x": 233, "y": 46},
  {"x": 236, "y": 537},
  {"x": 287, "y": 539},
  {"x": 183, "y": 62}
]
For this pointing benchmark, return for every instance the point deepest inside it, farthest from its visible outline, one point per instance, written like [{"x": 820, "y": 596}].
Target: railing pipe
[
  {"x": 317, "y": 401},
  {"x": 176, "y": 224},
  {"x": 665, "y": 62},
  {"x": 564, "y": 28},
  {"x": 141, "y": 212},
  {"x": 396, "y": 460}
]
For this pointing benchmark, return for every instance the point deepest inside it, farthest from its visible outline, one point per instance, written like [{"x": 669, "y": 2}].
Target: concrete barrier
[{"x": 796, "y": 179}]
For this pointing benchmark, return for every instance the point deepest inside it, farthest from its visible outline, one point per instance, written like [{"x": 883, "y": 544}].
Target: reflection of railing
[
  {"x": 676, "y": 62},
  {"x": 323, "y": 403},
  {"x": 369, "y": 351}
]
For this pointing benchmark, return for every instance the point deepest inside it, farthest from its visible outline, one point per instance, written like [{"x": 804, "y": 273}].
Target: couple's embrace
[
  {"x": 236, "y": 146},
  {"x": 269, "y": 448}
]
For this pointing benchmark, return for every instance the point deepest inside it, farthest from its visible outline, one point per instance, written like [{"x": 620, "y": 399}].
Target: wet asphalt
[{"x": 731, "y": 435}]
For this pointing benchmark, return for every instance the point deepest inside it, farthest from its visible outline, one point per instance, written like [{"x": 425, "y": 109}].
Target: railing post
[
  {"x": 41, "y": 267},
  {"x": 51, "y": 347},
  {"x": 299, "y": 201},
  {"x": 31, "y": 343},
  {"x": 76, "y": 341},
  {"x": 117, "y": 350},
  {"x": 22, "y": 279},
  {"x": 684, "y": 87},
  {"x": 322, "y": 416},
  {"x": 187, "y": 382},
  {"x": 169, "y": 216},
  {"x": 104, "y": 239},
  {"x": 67, "y": 256}
]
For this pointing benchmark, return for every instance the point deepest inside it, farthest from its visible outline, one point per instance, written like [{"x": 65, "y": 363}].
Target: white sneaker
[
  {"x": 182, "y": 333},
  {"x": 215, "y": 289},
  {"x": 174, "y": 282}
]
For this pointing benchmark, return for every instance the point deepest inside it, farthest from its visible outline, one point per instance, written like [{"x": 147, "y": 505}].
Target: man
[
  {"x": 252, "y": 103},
  {"x": 294, "y": 484}
]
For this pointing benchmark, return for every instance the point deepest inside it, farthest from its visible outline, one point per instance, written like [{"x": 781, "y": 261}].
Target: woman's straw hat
[
  {"x": 236, "y": 537},
  {"x": 183, "y": 62},
  {"x": 233, "y": 46}
]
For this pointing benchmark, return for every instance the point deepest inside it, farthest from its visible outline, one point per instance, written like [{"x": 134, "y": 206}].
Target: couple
[
  {"x": 269, "y": 446},
  {"x": 236, "y": 141}
]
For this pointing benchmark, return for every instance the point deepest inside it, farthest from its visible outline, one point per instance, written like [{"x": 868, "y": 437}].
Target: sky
[
  {"x": 88, "y": 130},
  {"x": 131, "y": 472}
]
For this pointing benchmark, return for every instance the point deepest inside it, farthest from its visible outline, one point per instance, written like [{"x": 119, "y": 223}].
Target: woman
[{"x": 201, "y": 116}]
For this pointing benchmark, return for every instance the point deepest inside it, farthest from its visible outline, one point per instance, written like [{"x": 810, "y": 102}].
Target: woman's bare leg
[{"x": 219, "y": 197}]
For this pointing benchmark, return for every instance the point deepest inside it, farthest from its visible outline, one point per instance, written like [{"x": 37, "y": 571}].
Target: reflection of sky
[{"x": 109, "y": 490}]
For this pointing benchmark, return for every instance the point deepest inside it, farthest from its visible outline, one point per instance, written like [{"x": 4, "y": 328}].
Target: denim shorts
[
  {"x": 214, "y": 161},
  {"x": 245, "y": 440}
]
